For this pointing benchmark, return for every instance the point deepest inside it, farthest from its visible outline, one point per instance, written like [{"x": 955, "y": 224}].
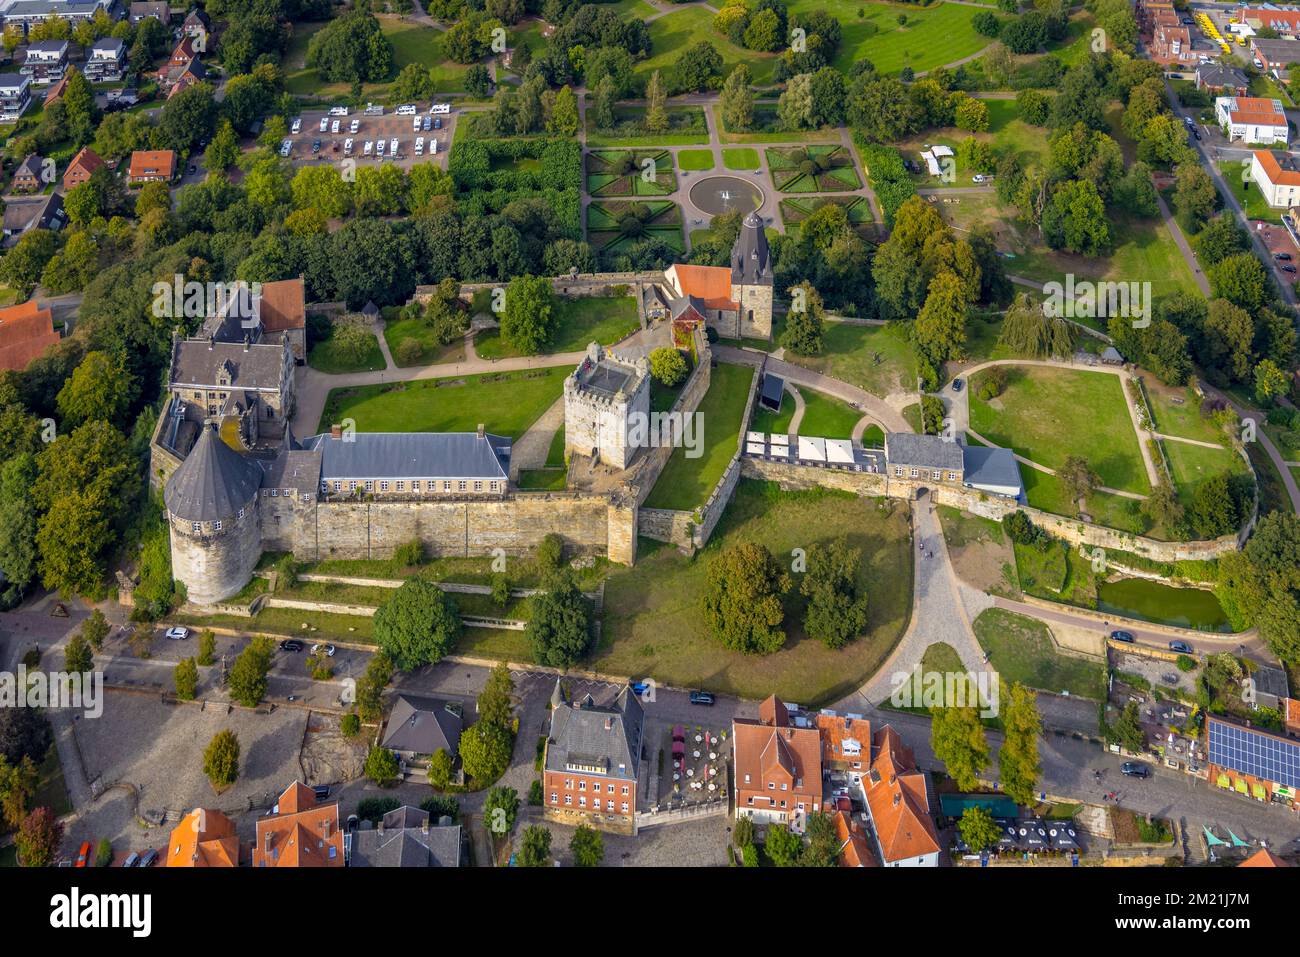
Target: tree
[
  {"x": 370, "y": 688},
  {"x": 414, "y": 82},
  {"x": 1078, "y": 477},
  {"x": 559, "y": 630},
  {"x": 485, "y": 751},
  {"x": 534, "y": 846},
  {"x": 478, "y": 82},
  {"x": 382, "y": 767},
  {"x": 496, "y": 700},
  {"x": 528, "y": 319},
  {"x": 353, "y": 47},
  {"x": 99, "y": 388},
  {"x": 837, "y": 611},
  {"x": 1127, "y": 731},
  {"x": 18, "y": 520},
  {"x": 1195, "y": 195},
  {"x": 668, "y": 366},
  {"x": 587, "y": 847},
  {"x": 971, "y": 114},
  {"x": 94, "y": 629},
  {"x": 500, "y": 809},
  {"x": 803, "y": 333},
  {"x": 978, "y": 829},
  {"x": 24, "y": 732},
  {"x": 77, "y": 656},
  {"x": 563, "y": 120},
  {"x": 223, "y": 151},
  {"x": 207, "y": 647},
  {"x": 18, "y": 783},
  {"x": 958, "y": 740},
  {"x": 1018, "y": 759},
  {"x": 656, "y": 113},
  {"x": 742, "y": 599},
  {"x": 221, "y": 760},
  {"x": 1075, "y": 219},
  {"x": 698, "y": 67},
  {"x": 440, "y": 769},
  {"x": 1240, "y": 279},
  {"x": 37, "y": 840},
  {"x": 795, "y": 108},
  {"x": 187, "y": 679},
  {"x": 418, "y": 625},
  {"x": 246, "y": 682},
  {"x": 940, "y": 330},
  {"x": 603, "y": 105},
  {"x": 783, "y": 846},
  {"x": 737, "y": 100},
  {"x": 1213, "y": 511}
]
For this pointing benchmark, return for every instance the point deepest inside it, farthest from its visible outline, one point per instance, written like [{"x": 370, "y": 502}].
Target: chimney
[
  {"x": 609, "y": 723},
  {"x": 245, "y": 342},
  {"x": 267, "y": 842},
  {"x": 424, "y": 826},
  {"x": 336, "y": 431},
  {"x": 480, "y": 430},
  {"x": 211, "y": 340}
]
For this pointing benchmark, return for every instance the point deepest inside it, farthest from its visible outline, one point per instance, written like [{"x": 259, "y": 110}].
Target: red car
[{"x": 83, "y": 856}]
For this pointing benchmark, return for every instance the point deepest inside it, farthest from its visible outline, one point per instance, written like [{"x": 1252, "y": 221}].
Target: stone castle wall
[
  {"x": 214, "y": 567},
  {"x": 755, "y": 311},
  {"x": 688, "y": 400}
]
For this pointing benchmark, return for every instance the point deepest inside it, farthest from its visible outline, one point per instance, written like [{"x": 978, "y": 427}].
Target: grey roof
[
  {"x": 923, "y": 451},
  {"x": 297, "y": 469},
  {"x": 108, "y": 46},
  {"x": 1271, "y": 681},
  {"x": 32, "y": 164},
  {"x": 40, "y": 212},
  {"x": 772, "y": 389},
  {"x": 1278, "y": 51},
  {"x": 257, "y": 366},
  {"x": 406, "y": 839},
  {"x": 197, "y": 16},
  {"x": 1219, "y": 75},
  {"x": 990, "y": 468},
  {"x": 14, "y": 81},
  {"x": 151, "y": 8},
  {"x": 588, "y": 734},
  {"x": 48, "y": 46},
  {"x": 751, "y": 260},
  {"x": 422, "y": 726},
  {"x": 1111, "y": 354},
  {"x": 376, "y": 455},
  {"x": 64, "y": 8},
  {"x": 608, "y": 378},
  {"x": 213, "y": 482}
]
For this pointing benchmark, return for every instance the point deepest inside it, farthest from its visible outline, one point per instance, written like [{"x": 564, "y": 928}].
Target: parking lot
[{"x": 379, "y": 130}]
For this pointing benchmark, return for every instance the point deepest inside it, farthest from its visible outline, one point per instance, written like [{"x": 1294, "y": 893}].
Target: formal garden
[
  {"x": 614, "y": 226},
  {"x": 630, "y": 173},
  {"x": 812, "y": 169}
]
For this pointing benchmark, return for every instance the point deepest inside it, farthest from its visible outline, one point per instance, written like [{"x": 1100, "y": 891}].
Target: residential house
[
  {"x": 56, "y": 90},
  {"x": 160, "y": 10},
  {"x": 81, "y": 168},
  {"x": 197, "y": 24},
  {"x": 406, "y": 837},
  {"x": 1253, "y": 762},
  {"x": 152, "y": 166},
  {"x": 1285, "y": 22},
  {"x": 183, "y": 67},
  {"x": 1275, "y": 56},
  {"x": 15, "y": 96},
  {"x": 1252, "y": 119},
  {"x": 898, "y": 802},
  {"x": 193, "y": 72},
  {"x": 203, "y": 838},
  {"x": 26, "y": 13},
  {"x": 1278, "y": 177},
  {"x": 855, "y": 843},
  {"x": 26, "y": 330},
  {"x": 107, "y": 61},
  {"x": 778, "y": 767},
  {"x": 1172, "y": 45},
  {"x": 299, "y": 832},
  {"x": 846, "y": 744},
  {"x": 1264, "y": 858},
  {"x": 1221, "y": 80},
  {"x": 589, "y": 766},
  {"x": 1270, "y": 684},
  {"x": 35, "y": 212},
  {"x": 29, "y": 177},
  {"x": 47, "y": 61},
  {"x": 417, "y": 727}
]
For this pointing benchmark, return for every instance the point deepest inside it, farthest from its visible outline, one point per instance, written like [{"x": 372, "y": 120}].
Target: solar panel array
[{"x": 1250, "y": 752}]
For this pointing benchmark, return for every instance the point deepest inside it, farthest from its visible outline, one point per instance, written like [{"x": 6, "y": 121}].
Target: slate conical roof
[
  {"x": 213, "y": 482},
  {"x": 751, "y": 260}
]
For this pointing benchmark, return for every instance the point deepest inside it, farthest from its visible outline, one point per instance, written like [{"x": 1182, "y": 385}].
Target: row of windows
[
  {"x": 582, "y": 802},
  {"x": 400, "y": 486},
  {"x": 216, "y": 526},
  {"x": 595, "y": 786},
  {"x": 935, "y": 475}
]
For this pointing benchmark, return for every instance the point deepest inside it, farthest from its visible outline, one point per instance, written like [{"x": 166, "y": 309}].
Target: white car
[
  {"x": 979, "y": 178},
  {"x": 392, "y": 146},
  {"x": 443, "y": 108},
  {"x": 286, "y": 147},
  {"x": 372, "y": 110},
  {"x": 368, "y": 148},
  {"x": 338, "y": 111},
  {"x": 347, "y": 147},
  {"x": 379, "y": 148},
  {"x": 406, "y": 109},
  {"x": 355, "y": 127},
  {"x": 327, "y": 650},
  {"x": 334, "y": 127},
  {"x": 415, "y": 124},
  {"x": 433, "y": 146},
  {"x": 297, "y": 125},
  {"x": 178, "y": 634},
  {"x": 419, "y": 146},
  {"x": 324, "y": 123}
]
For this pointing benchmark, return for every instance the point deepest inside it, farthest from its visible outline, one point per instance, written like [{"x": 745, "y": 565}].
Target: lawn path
[
  {"x": 531, "y": 450},
  {"x": 800, "y": 407}
]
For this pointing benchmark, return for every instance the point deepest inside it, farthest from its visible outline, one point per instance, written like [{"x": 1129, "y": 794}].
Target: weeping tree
[{"x": 1029, "y": 330}]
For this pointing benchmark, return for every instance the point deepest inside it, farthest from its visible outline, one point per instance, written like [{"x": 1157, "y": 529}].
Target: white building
[
  {"x": 1278, "y": 177},
  {"x": 1250, "y": 119},
  {"x": 15, "y": 96}
]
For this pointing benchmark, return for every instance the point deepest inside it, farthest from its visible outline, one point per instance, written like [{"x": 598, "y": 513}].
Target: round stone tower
[{"x": 212, "y": 510}]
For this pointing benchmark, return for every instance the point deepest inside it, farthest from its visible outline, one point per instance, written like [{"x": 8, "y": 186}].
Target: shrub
[
  {"x": 440, "y": 769},
  {"x": 410, "y": 553},
  {"x": 350, "y": 724},
  {"x": 381, "y": 767},
  {"x": 374, "y": 809},
  {"x": 667, "y": 366},
  {"x": 1186, "y": 663},
  {"x": 535, "y": 794},
  {"x": 550, "y": 552}
]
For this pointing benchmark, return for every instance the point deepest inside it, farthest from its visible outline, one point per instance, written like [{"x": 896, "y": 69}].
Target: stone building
[
  {"x": 606, "y": 401},
  {"x": 736, "y": 301}
]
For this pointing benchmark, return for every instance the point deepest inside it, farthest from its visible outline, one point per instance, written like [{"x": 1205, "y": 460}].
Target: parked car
[
  {"x": 1121, "y": 636},
  {"x": 416, "y": 124},
  {"x": 83, "y": 855},
  {"x": 406, "y": 109},
  {"x": 334, "y": 127},
  {"x": 392, "y": 147},
  {"x": 297, "y": 125},
  {"x": 354, "y": 127},
  {"x": 354, "y": 822},
  {"x": 327, "y": 650},
  {"x": 178, "y": 633},
  {"x": 324, "y": 123},
  {"x": 379, "y": 147},
  {"x": 347, "y": 147},
  {"x": 132, "y": 860},
  {"x": 437, "y": 123},
  {"x": 338, "y": 111},
  {"x": 1189, "y": 122},
  {"x": 978, "y": 178},
  {"x": 956, "y": 385},
  {"x": 315, "y": 146},
  {"x": 1133, "y": 769},
  {"x": 1182, "y": 647},
  {"x": 1282, "y": 257},
  {"x": 1196, "y": 133},
  {"x": 285, "y": 147},
  {"x": 1287, "y": 267},
  {"x": 150, "y": 856},
  {"x": 419, "y": 146},
  {"x": 291, "y": 644},
  {"x": 702, "y": 697},
  {"x": 373, "y": 110},
  {"x": 368, "y": 148}
]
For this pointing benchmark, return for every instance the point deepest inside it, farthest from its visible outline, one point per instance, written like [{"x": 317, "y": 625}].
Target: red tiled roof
[
  {"x": 25, "y": 332},
  {"x": 1274, "y": 171},
  {"x": 855, "y": 850},
  {"x": 1264, "y": 858},
  {"x": 300, "y": 834},
  {"x": 900, "y": 807},
  {"x": 283, "y": 305},
  {"x": 203, "y": 838},
  {"x": 87, "y": 160},
  {"x": 710, "y": 283},
  {"x": 153, "y": 163}
]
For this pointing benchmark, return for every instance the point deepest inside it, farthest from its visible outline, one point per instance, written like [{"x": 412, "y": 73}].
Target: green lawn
[
  {"x": 431, "y": 350},
  {"x": 773, "y": 423},
  {"x": 931, "y": 37},
  {"x": 1049, "y": 414},
  {"x": 1114, "y": 511},
  {"x": 671, "y": 34},
  {"x": 1193, "y": 464},
  {"x": 827, "y": 417},
  {"x": 1175, "y": 418},
  {"x": 686, "y": 127},
  {"x": 412, "y": 43},
  {"x": 695, "y": 159},
  {"x": 876, "y": 358},
  {"x": 603, "y": 319},
  {"x": 1248, "y": 194},
  {"x": 506, "y": 403},
  {"x": 324, "y": 356},
  {"x": 1022, "y": 649},
  {"x": 740, "y": 157},
  {"x": 686, "y": 483},
  {"x": 652, "y": 620}
]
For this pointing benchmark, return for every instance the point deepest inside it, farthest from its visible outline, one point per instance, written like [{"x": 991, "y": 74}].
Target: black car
[
  {"x": 1187, "y": 21},
  {"x": 1182, "y": 647},
  {"x": 1282, "y": 257},
  {"x": 1196, "y": 133},
  {"x": 1121, "y": 636},
  {"x": 1134, "y": 770},
  {"x": 291, "y": 644},
  {"x": 1287, "y": 267},
  {"x": 702, "y": 697},
  {"x": 956, "y": 385}
]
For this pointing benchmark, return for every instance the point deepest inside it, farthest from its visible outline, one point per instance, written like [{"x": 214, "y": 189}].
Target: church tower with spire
[{"x": 751, "y": 279}]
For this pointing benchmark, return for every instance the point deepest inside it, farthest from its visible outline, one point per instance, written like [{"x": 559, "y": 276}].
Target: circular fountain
[{"x": 718, "y": 194}]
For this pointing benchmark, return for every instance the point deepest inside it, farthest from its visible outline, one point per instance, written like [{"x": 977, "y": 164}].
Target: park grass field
[
  {"x": 603, "y": 319},
  {"x": 1183, "y": 419},
  {"x": 1193, "y": 464},
  {"x": 507, "y": 403},
  {"x": 1248, "y": 194},
  {"x": 687, "y": 127},
  {"x": 412, "y": 43},
  {"x": 1047, "y": 415},
  {"x": 1022, "y": 649},
  {"x": 652, "y": 622},
  {"x": 396, "y": 330},
  {"x": 827, "y": 417},
  {"x": 673, "y": 33},
  {"x": 686, "y": 483},
  {"x": 695, "y": 160},
  {"x": 931, "y": 37},
  {"x": 324, "y": 356},
  {"x": 876, "y": 358},
  {"x": 740, "y": 157}
]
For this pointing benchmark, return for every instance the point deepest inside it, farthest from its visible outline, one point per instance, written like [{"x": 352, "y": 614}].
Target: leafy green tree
[
  {"x": 496, "y": 700},
  {"x": 668, "y": 366},
  {"x": 500, "y": 810},
  {"x": 223, "y": 151},
  {"x": 563, "y": 120},
  {"x": 246, "y": 682},
  {"x": 737, "y": 100},
  {"x": 370, "y": 688},
  {"x": 353, "y": 47},
  {"x": 382, "y": 767},
  {"x": 534, "y": 847},
  {"x": 742, "y": 599},
  {"x": 656, "y": 114},
  {"x": 1075, "y": 219},
  {"x": 1195, "y": 195},
  {"x": 587, "y": 847},
  {"x": 38, "y": 838},
  {"x": 77, "y": 656},
  {"x": 837, "y": 611},
  {"x": 978, "y": 829},
  {"x": 958, "y": 740},
  {"x": 1213, "y": 511},
  {"x": 221, "y": 760},
  {"x": 1127, "y": 731},
  {"x": 18, "y": 784},
  {"x": 528, "y": 320},
  {"x": 803, "y": 334},
  {"x": 1018, "y": 759},
  {"x": 559, "y": 630},
  {"x": 414, "y": 82},
  {"x": 99, "y": 388},
  {"x": 187, "y": 679},
  {"x": 188, "y": 118},
  {"x": 418, "y": 625},
  {"x": 940, "y": 330},
  {"x": 606, "y": 95},
  {"x": 972, "y": 114},
  {"x": 22, "y": 266},
  {"x": 18, "y": 520},
  {"x": 478, "y": 82},
  {"x": 698, "y": 67},
  {"x": 1029, "y": 331},
  {"x": 440, "y": 769},
  {"x": 783, "y": 846},
  {"x": 485, "y": 750},
  {"x": 94, "y": 629},
  {"x": 1240, "y": 279},
  {"x": 1078, "y": 477},
  {"x": 350, "y": 725},
  {"x": 207, "y": 647}
]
